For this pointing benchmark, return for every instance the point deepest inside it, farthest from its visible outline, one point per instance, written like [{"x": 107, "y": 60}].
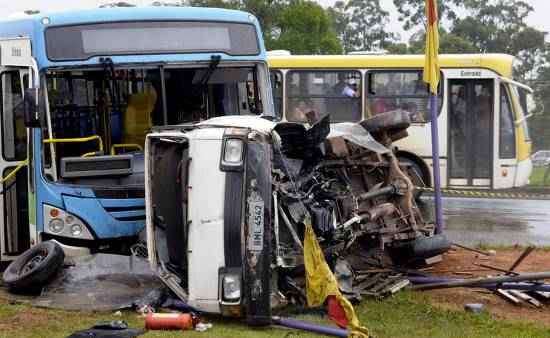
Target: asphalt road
[{"x": 473, "y": 221}]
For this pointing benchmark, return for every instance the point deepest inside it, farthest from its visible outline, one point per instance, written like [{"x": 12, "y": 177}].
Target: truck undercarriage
[{"x": 343, "y": 179}]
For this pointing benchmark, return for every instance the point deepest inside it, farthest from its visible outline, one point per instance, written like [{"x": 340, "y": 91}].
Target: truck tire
[
  {"x": 387, "y": 121},
  {"x": 34, "y": 268}
]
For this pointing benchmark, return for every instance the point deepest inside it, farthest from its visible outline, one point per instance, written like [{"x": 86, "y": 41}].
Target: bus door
[
  {"x": 15, "y": 236},
  {"x": 470, "y": 136}
]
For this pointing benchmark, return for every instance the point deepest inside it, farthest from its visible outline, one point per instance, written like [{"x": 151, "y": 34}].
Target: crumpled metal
[{"x": 358, "y": 135}]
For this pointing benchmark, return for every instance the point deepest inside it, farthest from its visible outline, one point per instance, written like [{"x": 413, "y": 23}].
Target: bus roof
[
  {"x": 500, "y": 63},
  {"x": 33, "y": 26}
]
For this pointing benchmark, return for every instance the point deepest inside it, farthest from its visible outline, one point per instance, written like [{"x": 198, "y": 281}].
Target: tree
[
  {"x": 340, "y": 20},
  {"x": 267, "y": 12},
  {"x": 500, "y": 27},
  {"x": 449, "y": 43},
  {"x": 361, "y": 25},
  {"x": 411, "y": 12},
  {"x": 306, "y": 28}
]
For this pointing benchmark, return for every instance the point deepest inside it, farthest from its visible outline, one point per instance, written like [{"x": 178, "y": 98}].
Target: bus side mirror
[{"x": 32, "y": 107}]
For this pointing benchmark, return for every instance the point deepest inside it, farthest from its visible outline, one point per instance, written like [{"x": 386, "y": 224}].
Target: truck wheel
[{"x": 34, "y": 268}]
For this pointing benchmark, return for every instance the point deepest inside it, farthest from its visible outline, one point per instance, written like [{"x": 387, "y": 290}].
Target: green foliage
[
  {"x": 361, "y": 25},
  {"x": 403, "y": 316},
  {"x": 449, "y": 43},
  {"x": 306, "y": 28},
  {"x": 500, "y": 27},
  {"x": 411, "y": 12},
  {"x": 302, "y": 27}
]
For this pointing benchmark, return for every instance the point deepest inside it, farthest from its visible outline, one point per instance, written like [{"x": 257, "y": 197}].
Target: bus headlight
[
  {"x": 76, "y": 230},
  {"x": 56, "y": 225},
  {"x": 61, "y": 223}
]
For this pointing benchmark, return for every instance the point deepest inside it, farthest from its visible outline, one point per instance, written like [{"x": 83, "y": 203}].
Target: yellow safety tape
[{"x": 486, "y": 194}]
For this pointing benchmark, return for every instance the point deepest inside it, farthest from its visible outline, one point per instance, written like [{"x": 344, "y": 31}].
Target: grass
[
  {"x": 537, "y": 177},
  {"x": 406, "y": 315}
]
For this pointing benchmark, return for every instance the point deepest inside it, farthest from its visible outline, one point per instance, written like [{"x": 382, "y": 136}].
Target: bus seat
[{"x": 137, "y": 117}]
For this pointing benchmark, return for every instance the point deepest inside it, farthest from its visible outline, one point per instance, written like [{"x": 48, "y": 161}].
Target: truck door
[
  {"x": 15, "y": 77},
  {"x": 470, "y": 135}
]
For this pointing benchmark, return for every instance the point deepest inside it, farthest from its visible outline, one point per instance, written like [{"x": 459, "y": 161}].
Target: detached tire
[{"x": 34, "y": 268}]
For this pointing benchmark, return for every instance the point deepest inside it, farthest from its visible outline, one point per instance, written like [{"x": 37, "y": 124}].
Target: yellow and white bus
[{"x": 483, "y": 135}]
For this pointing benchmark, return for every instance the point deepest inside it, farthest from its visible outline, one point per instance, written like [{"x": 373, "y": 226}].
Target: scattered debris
[
  {"x": 474, "y": 307},
  {"x": 203, "y": 327},
  {"x": 112, "y": 329},
  {"x": 485, "y": 253},
  {"x": 515, "y": 287},
  {"x": 33, "y": 269}
]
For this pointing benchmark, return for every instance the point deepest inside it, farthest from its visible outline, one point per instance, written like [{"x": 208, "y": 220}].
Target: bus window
[
  {"x": 337, "y": 93},
  {"x": 525, "y": 100},
  {"x": 13, "y": 128},
  {"x": 391, "y": 90},
  {"x": 507, "y": 139},
  {"x": 277, "y": 88}
]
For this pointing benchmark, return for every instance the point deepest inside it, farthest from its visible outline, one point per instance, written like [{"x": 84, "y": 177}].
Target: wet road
[{"x": 473, "y": 221}]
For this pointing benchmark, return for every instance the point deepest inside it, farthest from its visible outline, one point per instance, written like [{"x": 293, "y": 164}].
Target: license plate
[{"x": 256, "y": 225}]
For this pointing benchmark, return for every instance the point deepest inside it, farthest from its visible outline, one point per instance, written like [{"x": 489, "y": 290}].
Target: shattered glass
[
  {"x": 102, "y": 282},
  {"x": 358, "y": 135}
]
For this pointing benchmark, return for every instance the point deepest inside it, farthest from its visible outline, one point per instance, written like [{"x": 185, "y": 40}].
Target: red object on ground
[
  {"x": 168, "y": 321},
  {"x": 336, "y": 312}
]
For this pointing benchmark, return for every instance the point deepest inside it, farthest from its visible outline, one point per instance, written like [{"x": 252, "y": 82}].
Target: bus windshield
[{"x": 118, "y": 107}]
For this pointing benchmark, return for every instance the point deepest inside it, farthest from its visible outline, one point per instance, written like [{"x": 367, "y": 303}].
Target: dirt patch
[
  {"x": 23, "y": 316},
  {"x": 462, "y": 264}
]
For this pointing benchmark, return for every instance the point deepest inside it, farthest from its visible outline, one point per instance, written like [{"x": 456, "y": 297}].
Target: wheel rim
[{"x": 34, "y": 262}]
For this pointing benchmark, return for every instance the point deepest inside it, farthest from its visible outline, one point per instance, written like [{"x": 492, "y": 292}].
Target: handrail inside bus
[
  {"x": 14, "y": 171},
  {"x": 114, "y": 147},
  {"x": 517, "y": 84},
  {"x": 520, "y": 121},
  {"x": 79, "y": 140}
]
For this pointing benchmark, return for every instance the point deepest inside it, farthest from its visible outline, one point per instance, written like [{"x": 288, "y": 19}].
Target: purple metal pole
[
  {"x": 296, "y": 324},
  {"x": 505, "y": 286},
  {"x": 436, "y": 166}
]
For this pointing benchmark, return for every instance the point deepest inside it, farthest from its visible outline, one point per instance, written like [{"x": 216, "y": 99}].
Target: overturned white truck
[{"x": 227, "y": 199}]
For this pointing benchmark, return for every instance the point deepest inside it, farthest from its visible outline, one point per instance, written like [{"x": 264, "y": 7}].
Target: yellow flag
[
  {"x": 431, "y": 62},
  {"x": 321, "y": 283}
]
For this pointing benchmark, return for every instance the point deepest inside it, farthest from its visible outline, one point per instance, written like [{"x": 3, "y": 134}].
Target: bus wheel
[
  {"x": 34, "y": 268},
  {"x": 416, "y": 174}
]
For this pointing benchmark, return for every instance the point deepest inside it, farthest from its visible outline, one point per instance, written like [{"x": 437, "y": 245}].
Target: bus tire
[
  {"x": 418, "y": 176},
  {"x": 34, "y": 268}
]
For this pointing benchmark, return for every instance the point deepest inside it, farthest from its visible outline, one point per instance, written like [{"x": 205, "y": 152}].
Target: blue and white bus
[{"x": 79, "y": 92}]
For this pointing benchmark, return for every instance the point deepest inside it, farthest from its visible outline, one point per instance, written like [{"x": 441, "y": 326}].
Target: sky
[{"x": 539, "y": 18}]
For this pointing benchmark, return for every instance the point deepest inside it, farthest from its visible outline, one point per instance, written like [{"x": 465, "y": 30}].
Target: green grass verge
[
  {"x": 406, "y": 315},
  {"x": 537, "y": 177}
]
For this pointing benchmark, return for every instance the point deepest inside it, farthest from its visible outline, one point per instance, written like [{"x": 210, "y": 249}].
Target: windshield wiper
[{"x": 214, "y": 62}]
